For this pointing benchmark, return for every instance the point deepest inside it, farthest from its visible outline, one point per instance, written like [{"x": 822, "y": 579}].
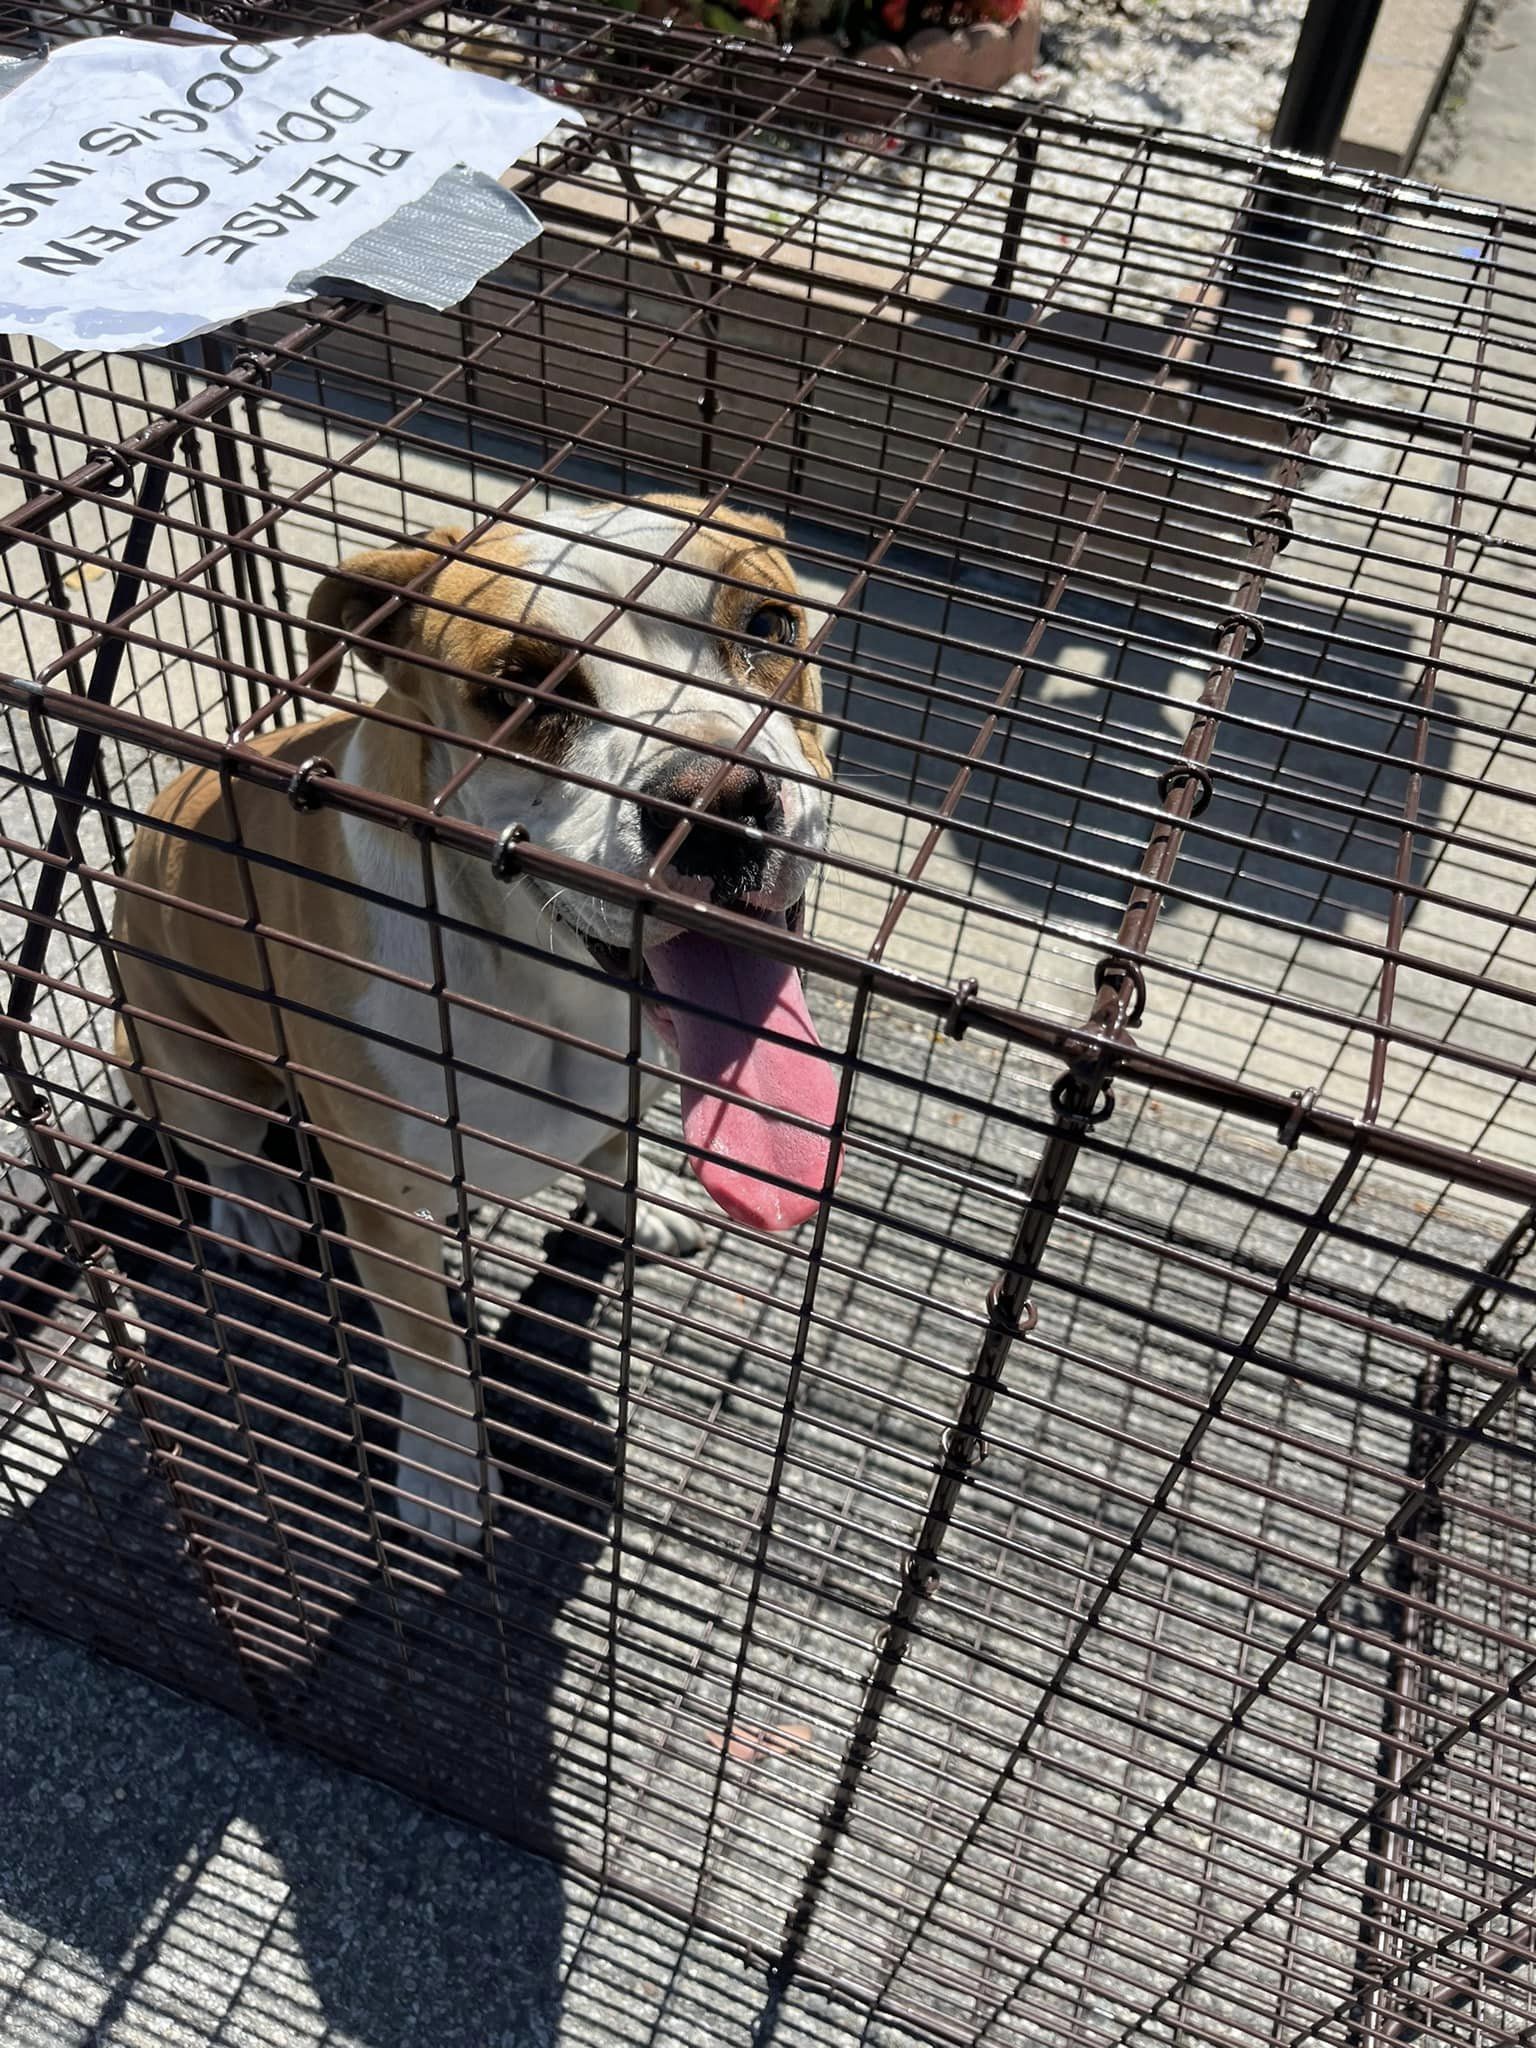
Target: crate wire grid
[{"x": 1193, "y": 1712}]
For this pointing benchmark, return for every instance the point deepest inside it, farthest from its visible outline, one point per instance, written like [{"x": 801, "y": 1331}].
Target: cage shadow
[
  {"x": 448, "y": 1694},
  {"x": 1311, "y": 768},
  {"x": 1314, "y": 757},
  {"x": 197, "y": 1870}
]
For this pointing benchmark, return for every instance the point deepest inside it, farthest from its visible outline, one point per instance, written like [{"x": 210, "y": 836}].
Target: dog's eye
[
  {"x": 772, "y": 622},
  {"x": 571, "y": 690},
  {"x": 498, "y": 703}
]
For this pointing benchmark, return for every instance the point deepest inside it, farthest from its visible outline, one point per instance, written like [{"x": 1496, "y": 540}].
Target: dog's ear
[
  {"x": 344, "y": 601},
  {"x": 758, "y": 522}
]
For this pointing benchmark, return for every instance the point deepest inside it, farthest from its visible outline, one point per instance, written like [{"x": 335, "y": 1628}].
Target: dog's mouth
[{"x": 713, "y": 1002}]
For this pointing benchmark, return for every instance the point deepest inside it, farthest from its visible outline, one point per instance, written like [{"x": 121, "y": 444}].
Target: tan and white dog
[{"x": 519, "y": 1019}]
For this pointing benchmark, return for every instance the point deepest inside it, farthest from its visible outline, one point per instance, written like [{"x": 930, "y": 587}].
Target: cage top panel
[{"x": 1157, "y": 510}]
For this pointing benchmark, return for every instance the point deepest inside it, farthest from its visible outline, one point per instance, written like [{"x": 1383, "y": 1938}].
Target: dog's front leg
[{"x": 441, "y": 1475}]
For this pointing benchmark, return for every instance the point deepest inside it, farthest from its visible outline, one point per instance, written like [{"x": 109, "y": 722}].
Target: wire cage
[{"x": 1076, "y": 1585}]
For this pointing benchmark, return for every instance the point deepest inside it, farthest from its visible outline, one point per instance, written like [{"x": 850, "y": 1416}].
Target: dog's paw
[
  {"x": 668, "y": 1233},
  {"x": 660, "y": 1231},
  {"x": 439, "y": 1483},
  {"x": 262, "y": 1214}
]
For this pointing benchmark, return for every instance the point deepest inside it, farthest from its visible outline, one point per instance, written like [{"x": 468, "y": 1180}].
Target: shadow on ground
[
  {"x": 408, "y": 1927},
  {"x": 1310, "y": 768}
]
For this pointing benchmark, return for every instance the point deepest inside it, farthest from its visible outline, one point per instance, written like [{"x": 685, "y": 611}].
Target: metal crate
[{"x": 1077, "y": 1587}]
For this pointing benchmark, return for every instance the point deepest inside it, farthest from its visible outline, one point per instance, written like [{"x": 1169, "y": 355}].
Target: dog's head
[
  {"x": 641, "y": 716},
  {"x": 624, "y": 743}
]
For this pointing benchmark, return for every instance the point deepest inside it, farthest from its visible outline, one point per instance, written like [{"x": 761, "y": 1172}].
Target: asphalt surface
[{"x": 169, "y": 1880}]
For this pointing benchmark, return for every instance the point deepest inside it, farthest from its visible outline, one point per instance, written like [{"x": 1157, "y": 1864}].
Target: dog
[{"x": 198, "y": 945}]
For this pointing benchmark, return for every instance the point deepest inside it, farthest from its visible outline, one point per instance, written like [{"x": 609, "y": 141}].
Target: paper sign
[{"x": 203, "y": 182}]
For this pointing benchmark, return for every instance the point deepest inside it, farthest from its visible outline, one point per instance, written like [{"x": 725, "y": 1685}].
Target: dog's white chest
[{"x": 505, "y": 1053}]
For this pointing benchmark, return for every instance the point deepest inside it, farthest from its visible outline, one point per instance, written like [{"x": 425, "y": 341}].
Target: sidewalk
[{"x": 1494, "y": 123}]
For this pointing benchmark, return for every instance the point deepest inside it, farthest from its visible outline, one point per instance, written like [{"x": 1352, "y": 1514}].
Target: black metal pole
[{"x": 1330, "y": 51}]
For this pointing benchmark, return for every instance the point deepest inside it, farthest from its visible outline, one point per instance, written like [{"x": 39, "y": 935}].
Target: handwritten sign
[{"x": 151, "y": 192}]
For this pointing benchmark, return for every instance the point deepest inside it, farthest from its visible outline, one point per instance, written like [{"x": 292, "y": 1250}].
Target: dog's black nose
[{"x": 745, "y": 800}]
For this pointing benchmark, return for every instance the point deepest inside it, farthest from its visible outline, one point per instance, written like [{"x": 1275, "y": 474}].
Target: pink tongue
[{"x": 752, "y": 995}]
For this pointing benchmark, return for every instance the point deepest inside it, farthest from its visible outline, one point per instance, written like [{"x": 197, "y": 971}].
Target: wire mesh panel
[{"x": 1003, "y": 656}]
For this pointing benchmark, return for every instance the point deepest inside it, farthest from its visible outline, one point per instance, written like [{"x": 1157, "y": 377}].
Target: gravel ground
[{"x": 1188, "y": 64}]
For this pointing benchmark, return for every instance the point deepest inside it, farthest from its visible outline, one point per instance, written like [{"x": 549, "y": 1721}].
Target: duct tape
[{"x": 435, "y": 250}]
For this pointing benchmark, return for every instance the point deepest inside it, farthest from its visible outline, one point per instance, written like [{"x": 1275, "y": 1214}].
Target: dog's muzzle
[
  {"x": 759, "y": 1096},
  {"x": 723, "y": 844}
]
